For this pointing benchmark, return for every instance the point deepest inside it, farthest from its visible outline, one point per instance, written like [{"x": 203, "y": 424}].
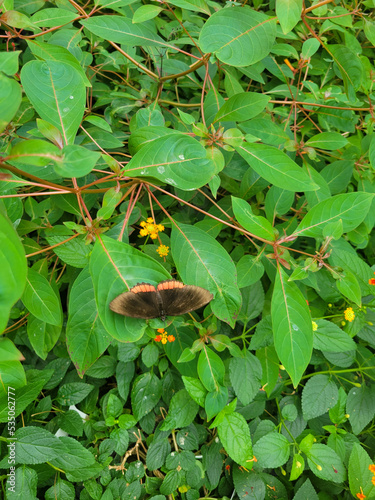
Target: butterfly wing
[
  {"x": 184, "y": 299},
  {"x": 139, "y": 302}
]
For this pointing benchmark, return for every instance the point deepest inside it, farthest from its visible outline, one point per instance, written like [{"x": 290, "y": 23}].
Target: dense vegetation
[{"x": 228, "y": 146}]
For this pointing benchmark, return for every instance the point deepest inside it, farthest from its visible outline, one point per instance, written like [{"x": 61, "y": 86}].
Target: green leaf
[
  {"x": 36, "y": 152},
  {"x": 110, "y": 200},
  {"x": 306, "y": 491},
  {"x": 272, "y": 450},
  {"x": 241, "y": 107},
  {"x": 309, "y": 47},
  {"x": 13, "y": 268},
  {"x": 210, "y": 369},
  {"x": 73, "y": 393},
  {"x": 245, "y": 368},
  {"x": 12, "y": 373},
  {"x": 257, "y": 225},
  {"x": 10, "y": 100},
  {"x": 235, "y": 436},
  {"x": 292, "y": 327},
  {"x": 318, "y": 396},
  {"x": 177, "y": 160},
  {"x": 57, "y": 92},
  {"x": 326, "y": 464},
  {"x": 71, "y": 422},
  {"x": 348, "y": 285},
  {"x": 215, "y": 401},
  {"x": 26, "y": 394},
  {"x": 249, "y": 270},
  {"x": 202, "y": 261},
  {"x": 171, "y": 482},
  {"x": 238, "y": 36},
  {"x": 49, "y": 51},
  {"x": 48, "y": 18},
  {"x": 270, "y": 367},
  {"x": 145, "y": 394},
  {"x": 248, "y": 484},
  {"x": 9, "y": 62},
  {"x": 157, "y": 453},
  {"x": 122, "y": 30},
  {"x": 195, "y": 389},
  {"x": 360, "y": 406},
  {"x": 74, "y": 252},
  {"x": 115, "y": 267},
  {"x": 276, "y": 167},
  {"x": 41, "y": 300},
  {"x": 60, "y": 489},
  {"x": 359, "y": 474},
  {"x": 36, "y": 446},
  {"x": 351, "y": 208},
  {"x": 76, "y": 161},
  {"x": 146, "y": 12},
  {"x": 330, "y": 141},
  {"x": 42, "y": 336},
  {"x": 288, "y": 13},
  {"x": 350, "y": 68},
  {"x": 330, "y": 338},
  {"x": 182, "y": 411}
]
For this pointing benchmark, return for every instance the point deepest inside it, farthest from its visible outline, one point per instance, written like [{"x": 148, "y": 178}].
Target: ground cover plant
[{"x": 225, "y": 145}]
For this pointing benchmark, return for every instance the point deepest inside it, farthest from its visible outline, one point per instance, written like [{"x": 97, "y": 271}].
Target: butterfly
[{"x": 169, "y": 298}]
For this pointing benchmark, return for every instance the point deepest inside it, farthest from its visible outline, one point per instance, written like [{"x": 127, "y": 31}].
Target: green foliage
[{"x": 228, "y": 146}]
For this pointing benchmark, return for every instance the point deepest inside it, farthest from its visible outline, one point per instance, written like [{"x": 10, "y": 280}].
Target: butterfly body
[{"x": 169, "y": 298}]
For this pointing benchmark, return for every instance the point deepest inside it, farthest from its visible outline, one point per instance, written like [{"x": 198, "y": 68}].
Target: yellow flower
[
  {"x": 164, "y": 340},
  {"x": 319, "y": 467},
  {"x": 163, "y": 250},
  {"x": 149, "y": 228},
  {"x": 371, "y": 468},
  {"x": 314, "y": 326},
  {"x": 349, "y": 314}
]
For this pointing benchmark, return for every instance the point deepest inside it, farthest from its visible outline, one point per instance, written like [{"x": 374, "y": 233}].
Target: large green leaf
[
  {"x": 57, "y": 92},
  {"x": 238, "y": 36},
  {"x": 41, "y": 299},
  {"x": 13, "y": 269},
  {"x": 318, "y": 396},
  {"x": 178, "y": 160},
  {"x": 121, "y": 30},
  {"x": 241, "y": 107},
  {"x": 235, "y": 435},
  {"x": 202, "y": 261},
  {"x": 10, "y": 99},
  {"x": 257, "y": 225},
  {"x": 351, "y": 208},
  {"x": 350, "y": 67},
  {"x": 359, "y": 472},
  {"x": 292, "y": 327},
  {"x": 115, "y": 267},
  {"x": 86, "y": 337},
  {"x": 288, "y": 13},
  {"x": 276, "y": 167}
]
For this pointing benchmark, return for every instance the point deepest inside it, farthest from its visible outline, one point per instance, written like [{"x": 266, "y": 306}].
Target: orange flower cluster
[
  {"x": 149, "y": 228},
  {"x": 371, "y": 281},
  {"x": 164, "y": 337},
  {"x": 349, "y": 314}
]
